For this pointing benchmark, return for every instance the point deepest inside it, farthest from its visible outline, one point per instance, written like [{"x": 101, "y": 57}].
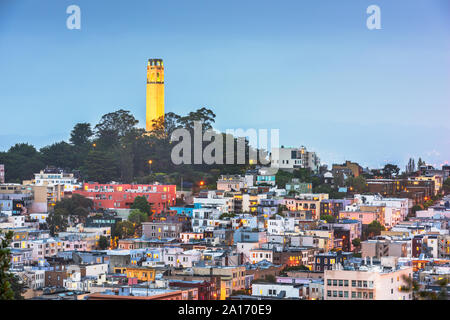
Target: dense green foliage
[
  {"x": 69, "y": 210},
  {"x": 328, "y": 218},
  {"x": 373, "y": 229},
  {"x": 115, "y": 149},
  {"x": 356, "y": 242},
  {"x": 141, "y": 204},
  {"x": 124, "y": 229},
  {"x": 357, "y": 184},
  {"x": 446, "y": 185},
  {"x": 137, "y": 216},
  {"x": 103, "y": 243},
  {"x": 6, "y": 278}
]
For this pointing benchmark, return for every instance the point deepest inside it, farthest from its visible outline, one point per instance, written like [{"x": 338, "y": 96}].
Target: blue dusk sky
[{"x": 309, "y": 68}]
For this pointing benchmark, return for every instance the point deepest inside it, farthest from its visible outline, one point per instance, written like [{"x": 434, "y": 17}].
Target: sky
[{"x": 311, "y": 69}]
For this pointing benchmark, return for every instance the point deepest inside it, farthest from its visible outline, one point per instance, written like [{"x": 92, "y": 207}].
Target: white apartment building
[
  {"x": 34, "y": 279},
  {"x": 52, "y": 177},
  {"x": 280, "y": 290},
  {"x": 372, "y": 282},
  {"x": 203, "y": 218},
  {"x": 258, "y": 255},
  {"x": 214, "y": 200},
  {"x": 294, "y": 158},
  {"x": 245, "y": 248},
  {"x": 401, "y": 204},
  {"x": 176, "y": 257},
  {"x": 279, "y": 225}
]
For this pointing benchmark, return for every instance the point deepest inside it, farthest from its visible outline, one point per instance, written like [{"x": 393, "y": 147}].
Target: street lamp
[{"x": 150, "y": 164}]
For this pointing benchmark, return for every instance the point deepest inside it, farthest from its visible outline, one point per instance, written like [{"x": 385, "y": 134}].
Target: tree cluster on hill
[{"x": 115, "y": 149}]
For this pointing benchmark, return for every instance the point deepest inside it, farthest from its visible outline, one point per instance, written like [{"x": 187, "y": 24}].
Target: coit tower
[{"x": 155, "y": 92}]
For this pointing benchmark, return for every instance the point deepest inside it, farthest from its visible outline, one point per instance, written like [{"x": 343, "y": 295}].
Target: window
[
  {"x": 341, "y": 283},
  {"x": 359, "y": 283},
  {"x": 354, "y": 295},
  {"x": 353, "y": 283},
  {"x": 365, "y": 284},
  {"x": 329, "y": 293},
  {"x": 345, "y": 283},
  {"x": 345, "y": 294},
  {"x": 335, "y": 294},
  {"x": 329, "y": 282},
  {"x": 340, "y": 294},
  {"x": 370, "y": 295},
  {"x": 335, "y": 282}
]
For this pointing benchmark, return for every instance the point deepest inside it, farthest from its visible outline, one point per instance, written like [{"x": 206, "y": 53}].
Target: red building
[{"x": 121, "y": 196}]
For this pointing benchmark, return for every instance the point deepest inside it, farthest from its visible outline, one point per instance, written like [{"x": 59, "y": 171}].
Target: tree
[
  {"x": 389, "y": 170},
  {"x": 141, "y": 203},
  {"x": 204, "y": 115},
  {"x": 80, "y": 138},
  {"x": 303, "y": 174},
  {"x": 81, "y": 134},
  {"x": 164, "y": 126},
  {"x": 17, "y": 286},
  {"x": 22, "y": 161},
  {"x": 57, "y": 221},
  {"x": 339, "y": 179},
  {"x": 80, "y": 214},
  {"x": 328, "y": 218},
  {"x": 103, "y": 243},
  {"x": 356, "y": 242},
  {"x": 415, "y": 208},
  {"x": 101, "y": 166},
  {"x": 282, "y": 178},
  {"x": 227, "y": 215},
  {"x": 75, "y": 208},
  {"x": 374, "y": 228},
  {"x": 60, "y": 154},
  {"x": 411, "y": 166},
  {"x": 137, "y": 216},
  {"x": 113, "y": 126},
  {"x": 124, "y": 229},
  {"x": 446, "y": 185},
  {"x": 6, "y": 291},
  {"x": 296, "y": 268},
  {"x": 420, "y": 163},
  {"x": 358, "y": 184}
]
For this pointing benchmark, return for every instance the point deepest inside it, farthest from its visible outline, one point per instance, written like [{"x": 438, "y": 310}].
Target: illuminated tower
[{"x": 155, "y": 92}]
